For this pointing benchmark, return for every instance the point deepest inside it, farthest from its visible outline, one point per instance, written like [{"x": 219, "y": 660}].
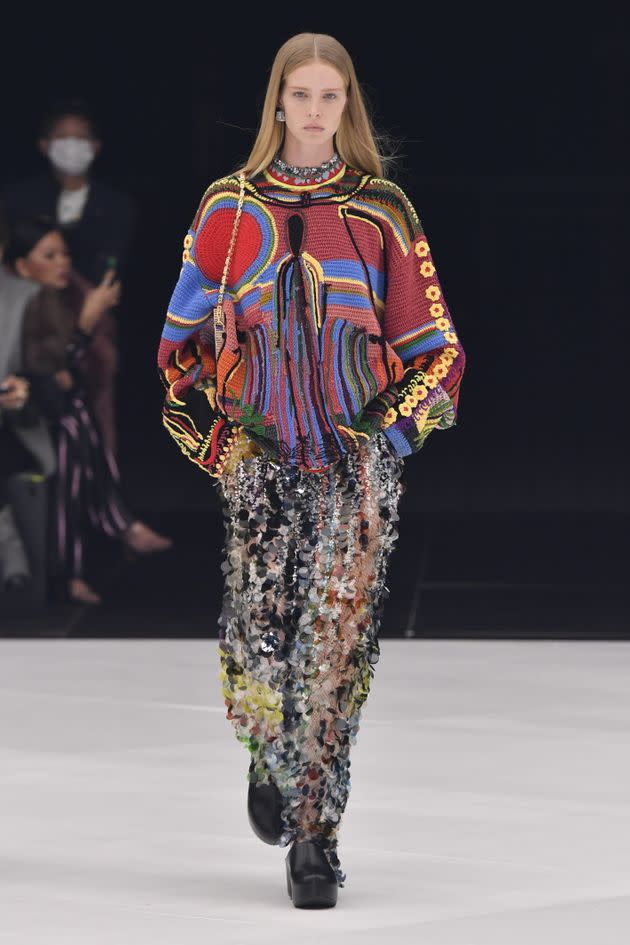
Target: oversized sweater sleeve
[
  {"x": 419, "y": 327},
  {"x": 187, "y": 363}
]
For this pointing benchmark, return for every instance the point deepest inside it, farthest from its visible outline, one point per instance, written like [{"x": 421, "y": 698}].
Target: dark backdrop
[{"x": 514, "y": 149}]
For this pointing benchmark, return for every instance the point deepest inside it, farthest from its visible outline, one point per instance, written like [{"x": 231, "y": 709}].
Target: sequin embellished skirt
[{"x": 304, "y": 563}]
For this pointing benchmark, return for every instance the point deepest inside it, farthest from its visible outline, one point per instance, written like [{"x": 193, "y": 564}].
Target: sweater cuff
[{"x": 398, "y": 441}]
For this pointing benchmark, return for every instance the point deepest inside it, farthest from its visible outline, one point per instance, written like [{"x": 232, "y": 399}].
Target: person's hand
[
  {"x": 64, "y": 380},
  {"x": 98, "y": 300},
  {"x": 15, "y": 392}
]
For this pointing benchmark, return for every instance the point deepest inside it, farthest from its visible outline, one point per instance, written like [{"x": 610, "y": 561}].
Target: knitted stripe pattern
[{"x": 336, "y": 325}]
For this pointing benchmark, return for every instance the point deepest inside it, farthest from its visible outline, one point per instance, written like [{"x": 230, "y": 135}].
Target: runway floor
[{"x": 489, "y": 801}]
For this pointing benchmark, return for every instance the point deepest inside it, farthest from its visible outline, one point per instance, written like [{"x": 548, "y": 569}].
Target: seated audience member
[
  {"x": 97, "y": 222},
  {"x": 14, "y": 458},
  {"x": 25, "y": 441},
  {"x": 58, "y": 325}
]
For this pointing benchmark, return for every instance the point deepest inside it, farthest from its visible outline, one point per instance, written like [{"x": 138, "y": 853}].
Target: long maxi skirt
[{"x": 304, "y": 562}]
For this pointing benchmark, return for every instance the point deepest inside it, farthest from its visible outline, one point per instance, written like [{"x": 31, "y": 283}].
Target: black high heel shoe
[
  {"x": 264, "y": 805},
  {"x": 311, "y": 880}
]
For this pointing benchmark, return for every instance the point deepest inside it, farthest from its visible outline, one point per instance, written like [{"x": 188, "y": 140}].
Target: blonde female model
[{"x": 306, "y": 351}]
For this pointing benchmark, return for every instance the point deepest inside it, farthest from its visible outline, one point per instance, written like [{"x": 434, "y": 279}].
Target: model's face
[
  {"x": 313, "y": 99},
  {"x": 47, "y": 263}
]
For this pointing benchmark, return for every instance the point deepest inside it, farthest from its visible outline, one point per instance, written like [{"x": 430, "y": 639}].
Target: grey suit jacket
[{"x": 15, "y": 295}]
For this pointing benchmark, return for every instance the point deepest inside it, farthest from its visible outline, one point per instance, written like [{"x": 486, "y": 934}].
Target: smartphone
[{"x": 104, "y": 263}]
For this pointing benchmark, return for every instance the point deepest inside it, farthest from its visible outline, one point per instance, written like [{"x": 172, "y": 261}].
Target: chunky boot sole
[
  {"x": 314, "y": 893},
  {"x": 311, "y": 882}
]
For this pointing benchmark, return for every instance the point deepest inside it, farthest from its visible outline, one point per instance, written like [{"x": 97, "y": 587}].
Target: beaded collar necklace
[{"x": 293, "y": 174}]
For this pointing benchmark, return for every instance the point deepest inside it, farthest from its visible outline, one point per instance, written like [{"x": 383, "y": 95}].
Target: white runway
[{"x": 489, "y": 806}]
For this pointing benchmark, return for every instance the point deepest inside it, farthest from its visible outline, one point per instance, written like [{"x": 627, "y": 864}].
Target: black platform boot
[
  {"x": 264, "y": 804},
  {"x": 311, "y": 880}
]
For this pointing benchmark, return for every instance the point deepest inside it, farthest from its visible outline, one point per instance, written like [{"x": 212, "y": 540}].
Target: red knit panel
[{"x": 213, "y": 241}]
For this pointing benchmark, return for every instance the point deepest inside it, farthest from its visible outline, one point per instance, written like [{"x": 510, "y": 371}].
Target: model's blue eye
[
  {"x": 298, "y": 93},
  {"x": 331, "y": 94}
]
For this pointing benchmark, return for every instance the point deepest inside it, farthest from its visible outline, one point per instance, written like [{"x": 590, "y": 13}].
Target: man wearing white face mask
[
  {"x": 71, "y": 158},
  {"x": 97, "y": 221}
]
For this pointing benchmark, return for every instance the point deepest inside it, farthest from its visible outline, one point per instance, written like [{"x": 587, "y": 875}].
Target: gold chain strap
[{"x": 219, "y": 322}]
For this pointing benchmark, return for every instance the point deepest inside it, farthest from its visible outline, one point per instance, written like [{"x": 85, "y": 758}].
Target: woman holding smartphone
[{"x": 58, "y": 326}]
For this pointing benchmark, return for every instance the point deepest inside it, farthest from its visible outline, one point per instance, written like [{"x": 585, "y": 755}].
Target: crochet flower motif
[
  {"x": 433, "y": 293},
  {"x": 188, "y": 241},
  {"x": 422, "y": 248},
  {"x": 427, "y": 268},
  {"x": 436, "y": 310},
  {"x": 390, "y": 417}
]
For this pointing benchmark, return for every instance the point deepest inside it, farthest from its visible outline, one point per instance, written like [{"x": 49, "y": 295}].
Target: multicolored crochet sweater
[{"x": 336, "y": 324}]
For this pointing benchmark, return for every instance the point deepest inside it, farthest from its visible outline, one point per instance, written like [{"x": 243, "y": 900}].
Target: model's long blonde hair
[{"x": 355, "y": 139}]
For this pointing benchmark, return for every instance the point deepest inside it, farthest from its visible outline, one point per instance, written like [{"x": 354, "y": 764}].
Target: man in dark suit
[{"x": 96, "y": 219}]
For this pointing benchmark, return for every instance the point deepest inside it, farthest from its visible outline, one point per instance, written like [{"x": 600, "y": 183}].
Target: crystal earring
[{"x": 280, "y": 116}]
